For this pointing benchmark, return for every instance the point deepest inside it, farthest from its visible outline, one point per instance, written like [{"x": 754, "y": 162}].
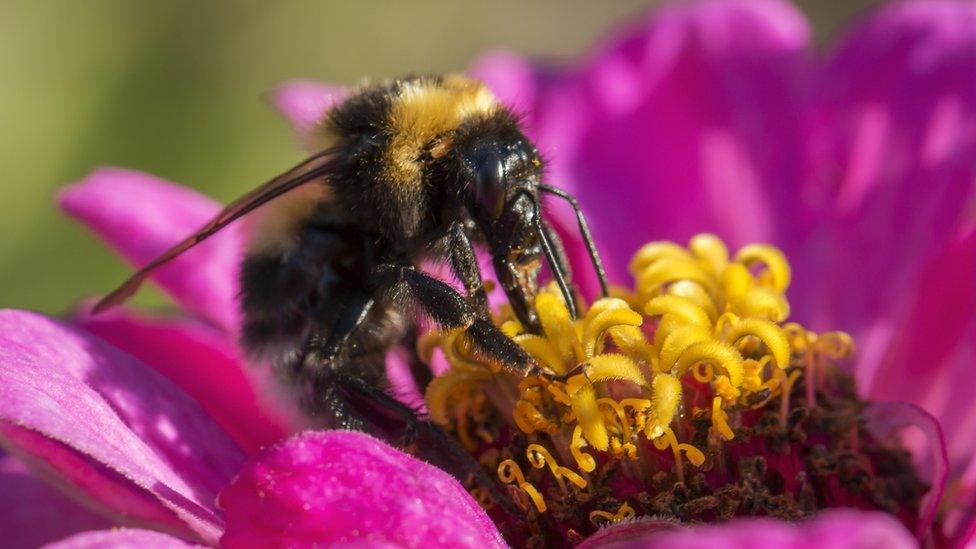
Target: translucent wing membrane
[{"x": 319, "y": 165}]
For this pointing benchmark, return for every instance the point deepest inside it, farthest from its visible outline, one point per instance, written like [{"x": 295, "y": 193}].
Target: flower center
[{"x": 689, "y": 397}]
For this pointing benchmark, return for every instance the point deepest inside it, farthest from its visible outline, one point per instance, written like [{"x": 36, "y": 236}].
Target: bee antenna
[
  {"x": 547, "y": 248},
  {"x": 584, "y": 229}
]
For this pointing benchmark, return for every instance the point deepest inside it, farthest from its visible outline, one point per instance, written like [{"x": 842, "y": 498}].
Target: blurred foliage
[{"x": 174, "y": 88}]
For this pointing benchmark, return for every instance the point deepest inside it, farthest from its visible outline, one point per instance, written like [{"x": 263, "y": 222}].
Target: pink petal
[
  {"x": 304, "y": 103},
  {"x": 34, "y": 513},
  {"x": 403, "y": 386},
  {"x": 141, "y": 216},
  {"x": 837, "y": 529},
  {"x": 933, "y": 347},
  {"x": 666, "y": 132},
  {"x": 120, "y": 538},
  {"x": 889, "y": 417},
  {"x": 205, "y": 363},
  {"x": 89, "y": 411},
  {"x": 91, "y": 483},
  {"x": 349, "y": 488},
  {"x": 890, "y": 139}
]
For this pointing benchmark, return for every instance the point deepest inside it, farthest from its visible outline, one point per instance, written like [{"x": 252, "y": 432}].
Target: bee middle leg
[{"x": 450, "y": 309}]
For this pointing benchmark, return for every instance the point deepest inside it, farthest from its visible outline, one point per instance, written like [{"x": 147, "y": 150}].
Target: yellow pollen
[
  {"x": 720, "y": 420},
  {"x": 702, "y": 325}
]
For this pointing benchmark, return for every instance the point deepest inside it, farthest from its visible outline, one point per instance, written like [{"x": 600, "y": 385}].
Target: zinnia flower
[{"x": 714, "y": 117}]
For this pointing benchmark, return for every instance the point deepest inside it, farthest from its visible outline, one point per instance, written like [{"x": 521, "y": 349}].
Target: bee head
[
  {"x": 501, "y": 171},
  {"x": 499, "y": 187}
]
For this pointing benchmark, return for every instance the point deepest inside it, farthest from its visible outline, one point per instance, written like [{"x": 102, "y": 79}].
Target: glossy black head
[{"x": 500, "y": 171}]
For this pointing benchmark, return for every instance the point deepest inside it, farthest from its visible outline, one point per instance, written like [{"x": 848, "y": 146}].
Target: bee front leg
[
  {"x": 450, "y": 309},
  {"x": 464, "y": 263}
]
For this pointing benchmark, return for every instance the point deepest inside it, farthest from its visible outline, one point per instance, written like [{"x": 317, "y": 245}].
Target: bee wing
[{"x": 317, "y": 166}]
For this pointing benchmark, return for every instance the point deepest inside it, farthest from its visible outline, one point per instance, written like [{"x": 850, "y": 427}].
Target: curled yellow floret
[
  {"x": 777, "y": 273},
  {"x": 509, "y": 472}
]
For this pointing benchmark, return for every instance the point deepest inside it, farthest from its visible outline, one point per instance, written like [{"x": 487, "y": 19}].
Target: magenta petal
[
  {"x": 891, "y": 136},
  {"x": 205, "y": 363},
  {"x": 933, "y": 347},
  {"x": 403, "y": 386},
  {"x": 120, "y": 538},
  {"x": 837, "y": 529},
  {"x": 349, "y": 488},
  {"x": 91, "y": 483},
  {"x": 889, "y": 417},
  {"x": 66, "y": 387},
  {"x": 141, "y": 216},
  {"x": 33, "y": 513},
  {"x": 666, "y": 131},
  {"x": 305, "y": 102}
]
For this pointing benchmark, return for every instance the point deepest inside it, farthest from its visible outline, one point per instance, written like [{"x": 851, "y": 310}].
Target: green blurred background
[{"x": 175, "y": 88}]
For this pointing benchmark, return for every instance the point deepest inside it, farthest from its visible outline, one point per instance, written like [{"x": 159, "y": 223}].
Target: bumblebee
[{"x": 414, "y": 169}]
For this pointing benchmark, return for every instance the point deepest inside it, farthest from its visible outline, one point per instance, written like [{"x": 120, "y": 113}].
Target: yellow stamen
[
  {"x": 441, "y": 388},
  {"x": 703, "y": 372},
  {"x": 598, "y": 326},
  {"x": 512, "y": 328},
  {"x": 679, "y": 340},
  {"x": 623, "y": 513},
  {"x": 529, "y": 419},
  {"x": 694, "y": 455},
  {"x": 777, "y": 268},
  {"x": 641, "y": 407},
  {"x": 684, "y": 309},
  {"x": 769, "y": 333},
  {"x": 761, "y": 303},
  {"x": 711, "y": 250},
  {"x": 558, "y": 326},
  {"x": 719, "y": 354},
  {"x": 784, "y": 406},
  {"x": 666, "y": 390},
  {"x": 620, "y": 415},
  {"x": 585, "y": 462},
  {"x": 543, "y": 352},
  {"x": 539, "y": 457},
  {"x": 509, "y": 472},
  {"x": 654, "y": 252},
  {"x": 590, "y": 419},
  {"x": 720, "y": 421},
  {"x": 736, "y": 281},
  {"x": 668, "y": 270},
  {"x": 609, "y": 367},
  {"x": 835, "y": 345}
]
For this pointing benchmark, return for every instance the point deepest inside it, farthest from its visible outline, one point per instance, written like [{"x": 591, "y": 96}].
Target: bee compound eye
[{"x": 490, "y": 184}]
